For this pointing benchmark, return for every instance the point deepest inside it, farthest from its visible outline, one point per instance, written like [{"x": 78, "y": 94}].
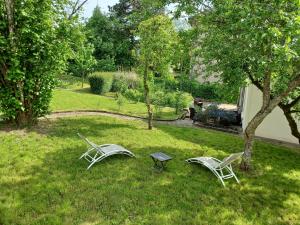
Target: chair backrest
[
  {"x": 88, "y": 141},
  {"x": 228, "y": 160}
]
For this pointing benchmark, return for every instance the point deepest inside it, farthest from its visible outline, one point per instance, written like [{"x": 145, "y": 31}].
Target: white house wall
[{"x": 274, "y": 126}]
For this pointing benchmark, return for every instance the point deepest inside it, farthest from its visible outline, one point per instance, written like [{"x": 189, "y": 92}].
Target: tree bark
[
  {"x": 147, "y": 96},
  {"x": 267, "y": 107},
  {"x": 82, "y": 79},
  {"x": 286, "y": 108},
  {"x": 23, "y": 117},
  {"x": 291, "y": 120}
]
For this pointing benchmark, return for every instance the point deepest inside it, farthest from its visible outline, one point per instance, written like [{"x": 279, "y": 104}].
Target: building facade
[{"x": 275, "y": 126}]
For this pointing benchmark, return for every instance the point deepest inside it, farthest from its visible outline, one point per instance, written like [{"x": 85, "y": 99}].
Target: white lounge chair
[
  {"x": 222, "y": 169},
  {"x": 97, "y": 153}
]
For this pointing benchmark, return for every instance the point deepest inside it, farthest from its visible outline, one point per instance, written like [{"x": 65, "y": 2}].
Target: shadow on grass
[
  {"x": 122, "y": 190},
  {"x": 83, "y": 90}
]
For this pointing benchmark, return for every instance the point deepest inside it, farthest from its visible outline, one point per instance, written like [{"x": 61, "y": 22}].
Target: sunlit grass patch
[{"x": 43, "y": 182}]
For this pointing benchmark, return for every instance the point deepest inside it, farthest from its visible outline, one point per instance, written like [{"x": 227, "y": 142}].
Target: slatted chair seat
[{"x": 222, "y": 169}]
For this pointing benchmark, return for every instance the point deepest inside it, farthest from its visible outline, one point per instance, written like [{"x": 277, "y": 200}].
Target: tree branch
[
  {"x": 253, "y": 81},
  {"x": 76, "y": 8},
  {"x": 294, "y": 102},
  {"x": 292, "y": 85},
  {"x": 267, "y": 89},
  {"x": 291, "y": 120}
]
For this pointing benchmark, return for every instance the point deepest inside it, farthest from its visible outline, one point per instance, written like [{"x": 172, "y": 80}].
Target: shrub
[
  {"x": 120, "y": 100},
  {"x": 107, "y": 64},
  {"x": 119, "y": 85},
  {"x": 123, "y": 81},
  {"x": 178, "y": 100},
  {"x": 209, "y": 91},
  {"x": 134, "y": 95},
  {"x": 182, "y": 100},
  {"x": 100, "y": 82},
  {"x": 217, "y": 116}
]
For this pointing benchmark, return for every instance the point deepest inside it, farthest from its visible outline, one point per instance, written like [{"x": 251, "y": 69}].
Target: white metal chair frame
[
  {"x": 102, "y": 151},
  {"x": 220, "y": 167}
]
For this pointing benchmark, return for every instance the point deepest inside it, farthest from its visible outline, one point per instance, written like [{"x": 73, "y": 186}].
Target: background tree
[
  {"x": 101, "y": 35},
  {"x": 33, "y": 49},
  {"x": 255, "y": 41},
  {"x": 157, "y": 37},
  {"x": 81, "y": 61},
  {"x": 122, "y": 16}
]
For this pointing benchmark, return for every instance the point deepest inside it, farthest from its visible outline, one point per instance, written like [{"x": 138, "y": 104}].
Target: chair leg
[
  {"x": 218, "y": 176},
  {"x": 97, "y": 160},
  {"x": 86, "y": 153},
  {"x": 233, "y": 174},
  {"x": 215, "y": 172}
]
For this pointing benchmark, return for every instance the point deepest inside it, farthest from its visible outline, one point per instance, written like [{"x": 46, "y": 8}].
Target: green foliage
[
  {"x": 134, "y": 95},
  {"x": 81, "y": 62},
  {"x": 184, "y": 48},
  {"x": 123, "y": 81},
  {"x": 101, "y": 35},
  {"x": 156, "y": 47},
  {"x": 181, "y": 101},
  {"x": 208, "y": 91},
  {"x": 106, "y": 64},
  {"x": 120, "y": 100},
  {"x": 177, "y": 100},
  {"x": 248, "y": 40},
  {"x": 33, "y": 50},
  {"x": 100, "y": 83}
]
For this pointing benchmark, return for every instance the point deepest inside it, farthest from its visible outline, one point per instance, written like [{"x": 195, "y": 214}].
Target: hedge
[{"x": 100, "y": 83}]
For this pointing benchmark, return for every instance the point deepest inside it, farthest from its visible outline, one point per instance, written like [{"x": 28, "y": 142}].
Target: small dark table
[{"x": 160, "y": 160}]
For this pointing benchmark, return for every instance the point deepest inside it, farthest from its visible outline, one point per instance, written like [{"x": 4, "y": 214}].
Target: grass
[
  {"x": 70, "y": 96},
  {"x": 43, "y": 182},
  {"x": 82, "y": 99}
]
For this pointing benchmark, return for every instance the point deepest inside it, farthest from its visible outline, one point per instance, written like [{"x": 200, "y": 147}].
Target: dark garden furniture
[{"x": 160, "y": 160}]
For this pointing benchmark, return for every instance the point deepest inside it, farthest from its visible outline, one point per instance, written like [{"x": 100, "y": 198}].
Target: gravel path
[{"x": 55, "y": 115}]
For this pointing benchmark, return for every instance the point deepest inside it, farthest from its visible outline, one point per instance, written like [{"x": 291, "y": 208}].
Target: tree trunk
[
  {"x": 249, "y": 138},
  {"x": 82, "y": 79},
  {"x": 291, "y": 120},
  {"x": 267, "y": 107},
  {"x": 147, "y": 97}
]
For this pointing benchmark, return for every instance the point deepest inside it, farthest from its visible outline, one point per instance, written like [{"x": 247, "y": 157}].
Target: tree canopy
[
  {"x": 157, "y": 37},
  {"x": 255, "y": 42},
  {"x": 33, "y": 49}
]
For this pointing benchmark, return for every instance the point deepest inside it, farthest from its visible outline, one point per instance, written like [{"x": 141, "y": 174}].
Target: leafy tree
[
  {"x": 124, "y": 27},
  {"x": 101, "y": 35},
  {"x": 33, "y": 49},
  {"x": 184, "y": 49},
  {"x": 81, "y": 61},
  {"x": 253, "y": 41},
  {"x": 157, "y": 37},
  {"x": 125, "y": 16}
]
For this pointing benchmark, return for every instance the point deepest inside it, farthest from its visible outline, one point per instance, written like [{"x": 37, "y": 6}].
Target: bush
[
  {"x": 124, "y": 81},
  {"x": 120, "y": 100},
  {"x": 134, "y": 95},
  {"x": 178, "y": 100},
  {"x": 217, "y": 116},
  {"x": 182, "y": 100},
  {"x": 107, "y": 64},
  {"x": 209, "y": 91},
  {"x": 119, "y": 85},
  {"x": 100, "y": 82}
]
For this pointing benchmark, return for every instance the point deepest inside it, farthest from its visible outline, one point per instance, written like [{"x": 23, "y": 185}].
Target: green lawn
[
  {"x": 43, "y": 182},
  {"x": 71, "y": 96},
  {"x": 82, "y": 99}
]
